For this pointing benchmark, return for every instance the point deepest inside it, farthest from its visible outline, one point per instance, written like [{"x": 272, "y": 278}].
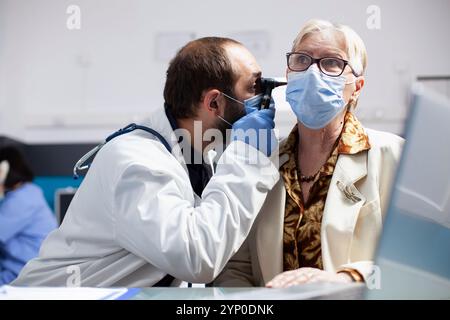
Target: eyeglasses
[{"x": 332, "y": 67}]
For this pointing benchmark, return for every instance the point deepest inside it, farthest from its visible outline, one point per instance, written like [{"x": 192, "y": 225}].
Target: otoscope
[{"x": 267, "y": 85}]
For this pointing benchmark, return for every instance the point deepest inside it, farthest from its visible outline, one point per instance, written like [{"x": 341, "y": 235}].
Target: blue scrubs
[{"x": 25, "y": 221}]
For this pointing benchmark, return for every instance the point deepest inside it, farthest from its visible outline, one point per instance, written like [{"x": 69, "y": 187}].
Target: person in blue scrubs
[{"x": 25, "y": 218}]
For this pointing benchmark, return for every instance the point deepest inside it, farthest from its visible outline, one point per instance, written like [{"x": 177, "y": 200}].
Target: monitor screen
[
  {"x": 63, "y": 198},
  {"x": 413, "y": 255}
]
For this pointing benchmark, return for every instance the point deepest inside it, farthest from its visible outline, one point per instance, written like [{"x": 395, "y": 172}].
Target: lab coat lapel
[
  {"x": 269, "y": 233},
  {"x": 342, "y": 207}
]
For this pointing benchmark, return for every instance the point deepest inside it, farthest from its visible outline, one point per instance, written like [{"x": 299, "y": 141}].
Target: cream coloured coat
[{"x": 350, "y": 228}]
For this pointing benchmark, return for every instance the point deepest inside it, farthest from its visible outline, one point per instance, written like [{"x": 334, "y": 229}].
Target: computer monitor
[
  {"x": 413, "y": 256},
  {"x": 63, "y": 198}
]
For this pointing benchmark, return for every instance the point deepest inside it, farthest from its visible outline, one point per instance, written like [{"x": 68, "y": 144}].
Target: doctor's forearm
[{"x": 194, "y": 243}]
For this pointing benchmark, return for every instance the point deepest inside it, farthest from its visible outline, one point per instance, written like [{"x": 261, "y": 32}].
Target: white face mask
[{"x": 4, "y": 170}]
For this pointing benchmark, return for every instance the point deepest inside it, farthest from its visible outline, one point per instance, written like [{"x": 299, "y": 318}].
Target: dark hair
[
  {"x": 19, "y": 171},
  {"x": 199, "y": 65}
]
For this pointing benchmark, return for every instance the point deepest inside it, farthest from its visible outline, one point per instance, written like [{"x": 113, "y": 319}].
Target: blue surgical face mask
[
  {"x": 250, "y": 105},
  {"x": 315, "y": 98}
]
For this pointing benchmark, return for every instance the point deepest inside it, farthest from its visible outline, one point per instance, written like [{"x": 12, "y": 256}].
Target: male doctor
[{"x": 145, "y": 216}]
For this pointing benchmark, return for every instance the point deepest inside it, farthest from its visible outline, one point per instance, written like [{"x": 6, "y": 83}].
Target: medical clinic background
[
  {"x": 65, "y": 87},
  {"x": 62, "y": 86}
]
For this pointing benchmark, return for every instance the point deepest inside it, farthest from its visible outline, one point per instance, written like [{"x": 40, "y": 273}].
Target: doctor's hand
[
  {"x": 307, "y": 275},
  {"x": 256, "y": 129}
]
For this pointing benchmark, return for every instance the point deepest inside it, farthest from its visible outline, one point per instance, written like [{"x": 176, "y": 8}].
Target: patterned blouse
[{"x": 302, "y": 221}]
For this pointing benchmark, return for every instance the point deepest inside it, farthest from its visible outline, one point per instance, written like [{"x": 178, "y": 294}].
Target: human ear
[
  {"x": 212, "y": 100},
  {"x": 359, "y": 84}
]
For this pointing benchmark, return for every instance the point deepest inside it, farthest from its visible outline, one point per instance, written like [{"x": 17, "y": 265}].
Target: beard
[{"x": 233, "y": 112}]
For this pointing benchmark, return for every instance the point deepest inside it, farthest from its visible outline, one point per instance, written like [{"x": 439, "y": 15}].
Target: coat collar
[{"x": 158, "y": 121}]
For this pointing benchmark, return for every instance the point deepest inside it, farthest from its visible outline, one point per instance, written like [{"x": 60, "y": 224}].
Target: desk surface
[
  {"x": 307, "y": 291},
  {"x": 301, "y": 292}
]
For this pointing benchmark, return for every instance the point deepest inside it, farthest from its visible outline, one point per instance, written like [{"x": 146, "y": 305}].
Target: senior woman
[{"x": 322, "y": 220}]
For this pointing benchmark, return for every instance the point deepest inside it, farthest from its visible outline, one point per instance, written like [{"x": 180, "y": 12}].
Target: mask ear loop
[
  {"x": 221, "y": 118},
  {"x": 235, "y": 100},
  {"x": 227, "y": 122},
  {"x": 354, "y": 80},
  {"x": 352, "y": 103}
]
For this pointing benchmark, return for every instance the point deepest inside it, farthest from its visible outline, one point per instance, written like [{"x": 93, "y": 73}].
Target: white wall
[{"x": 60, "y": 85}]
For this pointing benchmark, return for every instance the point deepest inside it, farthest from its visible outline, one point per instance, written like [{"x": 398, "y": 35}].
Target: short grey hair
[{"x": 355, "y": 48}]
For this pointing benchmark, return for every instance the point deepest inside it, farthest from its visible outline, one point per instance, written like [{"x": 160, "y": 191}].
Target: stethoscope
[{"x": 81, "y": 166}]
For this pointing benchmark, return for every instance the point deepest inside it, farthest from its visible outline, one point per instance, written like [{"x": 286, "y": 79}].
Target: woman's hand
[{"x": 307, "y": 275}]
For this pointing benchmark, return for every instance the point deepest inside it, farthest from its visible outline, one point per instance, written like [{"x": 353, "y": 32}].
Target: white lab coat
[{"x": 135, "y": 217}]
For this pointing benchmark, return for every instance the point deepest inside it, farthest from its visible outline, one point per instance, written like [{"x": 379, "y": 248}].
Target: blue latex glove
[
  {"x": 256, "y": 129},
  {"x": 254, "y": 107}
]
